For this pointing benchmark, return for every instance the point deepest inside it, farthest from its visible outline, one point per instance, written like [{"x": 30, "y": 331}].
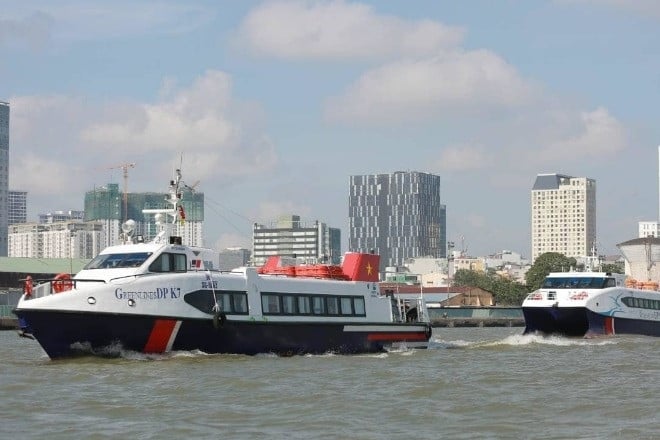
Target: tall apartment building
[
  {"x": 105, "y": 205},
  {"x": 17, "y": 209},
  {"x": 68, "y": 239},
  {"x": 289, "y": 237},
  {"x": 563, "y": 215},
  {"x": 4, "y": 177},
  {"x": 398, "y": 216}
]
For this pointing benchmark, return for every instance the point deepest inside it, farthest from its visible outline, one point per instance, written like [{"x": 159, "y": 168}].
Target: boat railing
[
  {"x": 411, "y": 309},
  {"x": 41, "y": 287}
]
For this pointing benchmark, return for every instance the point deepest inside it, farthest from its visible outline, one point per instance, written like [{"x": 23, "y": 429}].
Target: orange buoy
[{"x": 62, "y": 282}]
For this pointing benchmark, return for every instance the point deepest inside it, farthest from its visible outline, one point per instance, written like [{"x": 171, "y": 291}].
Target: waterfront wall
[{"x": 476, "y": 317}]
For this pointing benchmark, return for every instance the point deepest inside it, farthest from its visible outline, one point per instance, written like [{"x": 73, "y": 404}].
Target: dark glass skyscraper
[{"x": 397, "y": 216}]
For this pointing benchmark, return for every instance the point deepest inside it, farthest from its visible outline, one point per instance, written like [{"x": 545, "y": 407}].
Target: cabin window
[
  {"x": 224, "y": 302},
  {"x": 110, "y": 261},
  {"x": 333, "y": 305},
  {"x": 303, "y": 305},
  {"x": 288, "y": 304},
  {"x": 358, "y": 306},
  {"x": 318, "y": 305},
  {"x": 168, "y": 262},
  {"x": 346, "y": 305},
  {"x": 270, "y": 304},
  {"x": 240, "y": 303},
  {"x": 229, "y": 302}
]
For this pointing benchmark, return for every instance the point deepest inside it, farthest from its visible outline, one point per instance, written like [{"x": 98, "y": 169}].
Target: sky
[{"x": 270, "y": 106}]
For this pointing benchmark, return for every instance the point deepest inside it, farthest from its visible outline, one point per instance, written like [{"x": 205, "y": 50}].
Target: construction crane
[{"x": 124, "y": 167}]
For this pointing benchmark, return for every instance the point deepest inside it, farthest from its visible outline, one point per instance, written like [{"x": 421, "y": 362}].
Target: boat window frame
[
  {"x": 118, "y": 260},
  {"x": 316, "y": 305},
  {"x": 177, "y": 262}
]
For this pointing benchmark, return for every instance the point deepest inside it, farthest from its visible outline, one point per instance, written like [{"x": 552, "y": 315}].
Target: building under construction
[{"x": 108, "y": 206}]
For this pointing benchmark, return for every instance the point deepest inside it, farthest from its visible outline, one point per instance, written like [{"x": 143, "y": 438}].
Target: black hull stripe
[{"x": 57, "y": 332}]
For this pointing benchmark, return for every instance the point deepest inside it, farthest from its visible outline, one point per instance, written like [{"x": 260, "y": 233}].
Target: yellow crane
[{"x": 124, "y": 167}]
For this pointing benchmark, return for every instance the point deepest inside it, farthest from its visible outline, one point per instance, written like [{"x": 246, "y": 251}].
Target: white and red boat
[{"x": 161, "y": 296}]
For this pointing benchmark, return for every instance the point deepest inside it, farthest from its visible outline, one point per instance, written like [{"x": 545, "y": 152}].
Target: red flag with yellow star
[{"x": 361, "y": 267}]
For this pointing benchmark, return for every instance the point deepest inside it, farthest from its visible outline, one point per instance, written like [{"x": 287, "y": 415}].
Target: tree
[
  {"x": 546, "y": 263},
  {"x": 504, "y": 290},
  {"x": 612, "y": 268}
]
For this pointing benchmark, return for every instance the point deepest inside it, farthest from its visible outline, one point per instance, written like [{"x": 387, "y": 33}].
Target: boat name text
[{"x": 158, "y": 293}]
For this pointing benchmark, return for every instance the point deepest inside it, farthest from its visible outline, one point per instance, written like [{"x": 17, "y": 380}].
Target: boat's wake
[{"x": 519, "y": 340}]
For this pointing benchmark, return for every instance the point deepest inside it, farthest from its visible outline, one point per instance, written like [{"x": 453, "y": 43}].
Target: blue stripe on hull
[
  {"x": 565, "y": 321},
  {"x": 58, "y": 331},
  {"x": 621, "y": 326}
]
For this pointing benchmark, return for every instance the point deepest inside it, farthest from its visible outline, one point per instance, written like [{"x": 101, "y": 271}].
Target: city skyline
[{"x": 272, "y": 106}]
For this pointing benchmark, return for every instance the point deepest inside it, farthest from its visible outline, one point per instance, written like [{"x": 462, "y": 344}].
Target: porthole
[
  {"x": 131, "y": 302},
  {"x": 91, "y": 300}
]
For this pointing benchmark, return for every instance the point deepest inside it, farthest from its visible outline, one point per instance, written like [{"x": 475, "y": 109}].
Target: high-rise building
[
  {"x": 398, "y": 216},
  {"x": 17, "y": 207},
  {"x": 4, "y": 177},
  {"x": 67, "y": 239},
  {"x": 289, "y": 237},
  {"x": 563, "y": 215},
  {"x": 105, "y": 205},
  {"x": 61, "y": 216}
]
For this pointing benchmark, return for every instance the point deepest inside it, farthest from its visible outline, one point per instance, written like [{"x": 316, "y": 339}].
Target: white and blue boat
[
  {"x": 592, "y": 304},
  {"x": 163, "y": 296}
]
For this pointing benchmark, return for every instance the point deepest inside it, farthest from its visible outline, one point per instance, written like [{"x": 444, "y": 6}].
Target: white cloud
[
  {"x": 599, "y": 135},
  {"x": 338, "y": 29},
  {"x": 220, "y": 138},
  {"x": 203, "y": 121},
  {"x": 450, "y": 84},
  {"x": 273, "y": 209},
  {"x": 227, "y": 240}
]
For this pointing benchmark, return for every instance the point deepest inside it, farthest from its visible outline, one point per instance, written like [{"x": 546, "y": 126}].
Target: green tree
[
  {"x": 546, "y": 263},
  {"x": 613, "y": 268},
  {"x": 504, "y": 290}
]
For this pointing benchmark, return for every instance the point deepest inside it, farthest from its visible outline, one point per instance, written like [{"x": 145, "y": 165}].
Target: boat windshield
[
  {"x": 111, "y": 261},
  {"x": 578, "y": 283}
]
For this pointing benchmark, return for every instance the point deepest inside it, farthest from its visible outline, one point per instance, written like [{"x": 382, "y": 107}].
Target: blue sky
[{"x": 273, "y": 105}]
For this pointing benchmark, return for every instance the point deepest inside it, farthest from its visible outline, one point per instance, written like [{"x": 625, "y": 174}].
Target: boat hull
[
  {"x": 564, "y": 321},
  {"x": 600, "y": 325},
  {"x": 66, "y": 334}
]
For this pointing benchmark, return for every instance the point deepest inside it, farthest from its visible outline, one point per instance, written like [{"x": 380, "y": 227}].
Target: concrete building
[
  {"x": 642, "y": 258},
  {"x": 398, "y": 216},
  {"x": 61, "y": 216},
  {"x": 105, "y": 205},
  {"x": 4, "y": 177},
  {"x": 17, "y": 207},
  {"x": 563, "y": 215},
  {"x": 72, "y": 239},
  {"x": 289, "y": 237},
  {"x": 648, "y": 229},
  {"x": 234, "y": 257}
]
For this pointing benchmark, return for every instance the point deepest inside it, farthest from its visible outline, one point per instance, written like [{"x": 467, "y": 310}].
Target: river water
[{"x": 472, "y": 383}]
